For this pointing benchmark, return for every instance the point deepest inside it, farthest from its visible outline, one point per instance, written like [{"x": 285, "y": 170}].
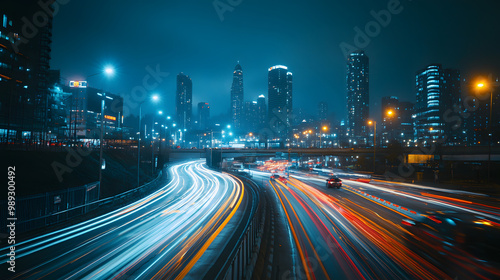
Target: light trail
[{"x": 161, "y": 236}]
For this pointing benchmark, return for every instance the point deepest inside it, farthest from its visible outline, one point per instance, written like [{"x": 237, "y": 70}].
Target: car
[
  {"x": 449, "y": 236},
  {"x": 334, "y": 182},
  {"x": 279, "y": 178}
]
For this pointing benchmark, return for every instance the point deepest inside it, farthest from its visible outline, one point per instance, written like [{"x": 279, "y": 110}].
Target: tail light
[{"x": 408, "y": 222}]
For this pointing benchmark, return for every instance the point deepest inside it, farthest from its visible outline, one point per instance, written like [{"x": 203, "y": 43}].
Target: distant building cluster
[{"x": 38, "y": 108}]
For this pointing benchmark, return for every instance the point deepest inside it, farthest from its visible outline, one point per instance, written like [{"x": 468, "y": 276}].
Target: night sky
[{"x": 188, "y": 36}]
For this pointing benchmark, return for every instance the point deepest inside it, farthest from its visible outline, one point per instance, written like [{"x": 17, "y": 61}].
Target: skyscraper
[
  {"x": 323, "y": 111},
  {"x": 251, "y": 116},
  {"x": 203, "y": 115},
  {"x": 358, "y": 97},
  {"x": 262, "y": 111},
  {"x": 478, "y": 123},
  {"x": 390, "y": 119},
  {"x": 405, "y": 115},
  {"x": 280, "y": 82},
  {"x": 438, "y": 90},
  {"x": 24, "y": 59},
  {"x": 237, "y": 97},
  {"x": 183, "y": 101}
]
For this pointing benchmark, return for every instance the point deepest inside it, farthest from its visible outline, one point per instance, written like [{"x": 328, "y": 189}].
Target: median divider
[
  {"x": 241, "y": 260},
  {"x": 399, "y": 208}
]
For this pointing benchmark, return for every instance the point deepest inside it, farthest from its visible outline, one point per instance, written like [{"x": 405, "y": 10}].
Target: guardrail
[
  {"x": 239, "y": 265},
  {"x": 27, "y": 208}
]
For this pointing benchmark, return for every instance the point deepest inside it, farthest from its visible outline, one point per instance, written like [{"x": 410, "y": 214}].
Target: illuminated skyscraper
[
  {"x": 358, "y": 97},
  {"x": 251, "y": 116},
  {"x": 203, "y": 115},
  {"x": 262, "y": 110},
  {"x": 25, "y": 53},
  {"x": 323, "y": 111},
  {"x": 237, "y": 115},
  {"x": 183, "y": 101},
  {"x": 280, "y": 88},
  {"x": 438, "y": 90}
]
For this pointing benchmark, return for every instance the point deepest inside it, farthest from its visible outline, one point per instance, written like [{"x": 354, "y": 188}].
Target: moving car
[
  {"x": 278, "y": 177},
  {"x": 450, "y": 238},
  {"x": 334, "y": 182}
]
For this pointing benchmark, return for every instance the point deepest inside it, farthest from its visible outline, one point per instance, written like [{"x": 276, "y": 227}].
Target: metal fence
[
  {"x": 37, "y": 211},
  {"x": 242, "y": 261},
  {"x": 41, "y": 210}
]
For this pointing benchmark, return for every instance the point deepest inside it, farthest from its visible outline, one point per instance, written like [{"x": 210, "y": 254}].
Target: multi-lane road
[
  {"x": 366, "y": 231},
  {"x": 176, "y": 232},
  {"x": 375, "y": 230}
]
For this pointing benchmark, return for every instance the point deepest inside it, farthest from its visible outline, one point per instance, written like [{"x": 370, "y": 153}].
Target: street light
[
  {"x": 154, "y": 98},
  {"x": 481, "y": 86},
  {"x": 325, "y": 128},
  {"x": 103, "y": 95},
  {"x": 374, "y": 123},
  {"x": 101, "y": 165},
  {"x": 109, "y": 70},
  {"x": 153, "y": 139}
]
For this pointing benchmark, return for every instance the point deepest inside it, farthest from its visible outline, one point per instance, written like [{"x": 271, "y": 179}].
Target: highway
[
  {"x": 365, "y": 231},
  {"x": 174, "y": 233}
]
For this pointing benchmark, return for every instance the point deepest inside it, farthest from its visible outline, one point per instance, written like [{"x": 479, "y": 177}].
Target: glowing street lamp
[
  {"x": 325, "y": 128},
  {"x": 155, "y": 98},
  {"x": 483, "y": 86},
  {"x": 374, "y": 123},
  {"x": 109, "y": 70}
]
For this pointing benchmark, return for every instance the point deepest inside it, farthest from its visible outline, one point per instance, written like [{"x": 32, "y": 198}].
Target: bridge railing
[
  {"x": 240, "y": 263},
  {"x": 42, "y": 210}
]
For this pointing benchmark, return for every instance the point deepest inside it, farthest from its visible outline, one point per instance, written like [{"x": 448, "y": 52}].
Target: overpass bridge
[{"x": 474, "y": 153}]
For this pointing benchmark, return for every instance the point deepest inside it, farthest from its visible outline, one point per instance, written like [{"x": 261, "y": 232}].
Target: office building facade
[
  {"x": 280, "y": 102},
  {"x": 24, "y": 66},
  {"x": 438, "y": 90},
  {"x": 237, "y": 116},
  {"x": 183, "y": 101},
  {"x": 358, "y": 97},
  {"x": 203, "y": 115}
]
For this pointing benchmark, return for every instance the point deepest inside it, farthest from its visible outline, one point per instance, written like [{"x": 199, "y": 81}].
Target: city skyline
[
  {"x": 207, "y": 64},
  {"x": 232, "y": 139}
]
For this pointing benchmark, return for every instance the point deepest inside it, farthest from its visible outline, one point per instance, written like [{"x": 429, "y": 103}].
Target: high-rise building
[
  {"x": 280, "y": 102},
  {"x": 183, "y": 101},
  {"x": 358, "y": 97},
  {"x": 203, "y": 115},
  {"x": 478, "y": 120},
  {"x": 323, "y": 111},
  {"x": 237, "y": 116},
  {"x": 438, "y": 90},
  {"x": 397, "y": 121},
  {"x": 405, "y": 116},
  {"x": 24, "y": 61},
  {"x": 251, "y": 116},
  {"x": 84, "y": 112},
  {"x": 262, "y": 111},
  {"x": 390, "y": 119}
]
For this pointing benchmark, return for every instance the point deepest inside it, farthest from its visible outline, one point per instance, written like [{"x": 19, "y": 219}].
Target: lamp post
[
  {"x": 153, "y": 143},
  {"x": 103, "y": 101},
  {"x": 374, "y": 123},
  {"x": 108, "y": 71},
  {"x": 324, "y": 128},
  {"x": 490, "y": 134},
  {"x": 155, "y": 98}
]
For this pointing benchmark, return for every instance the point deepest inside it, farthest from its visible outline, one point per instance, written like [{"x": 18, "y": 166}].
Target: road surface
[
  {"x": 174, "y": 233},
  {"x": 356, "y": 232}
]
